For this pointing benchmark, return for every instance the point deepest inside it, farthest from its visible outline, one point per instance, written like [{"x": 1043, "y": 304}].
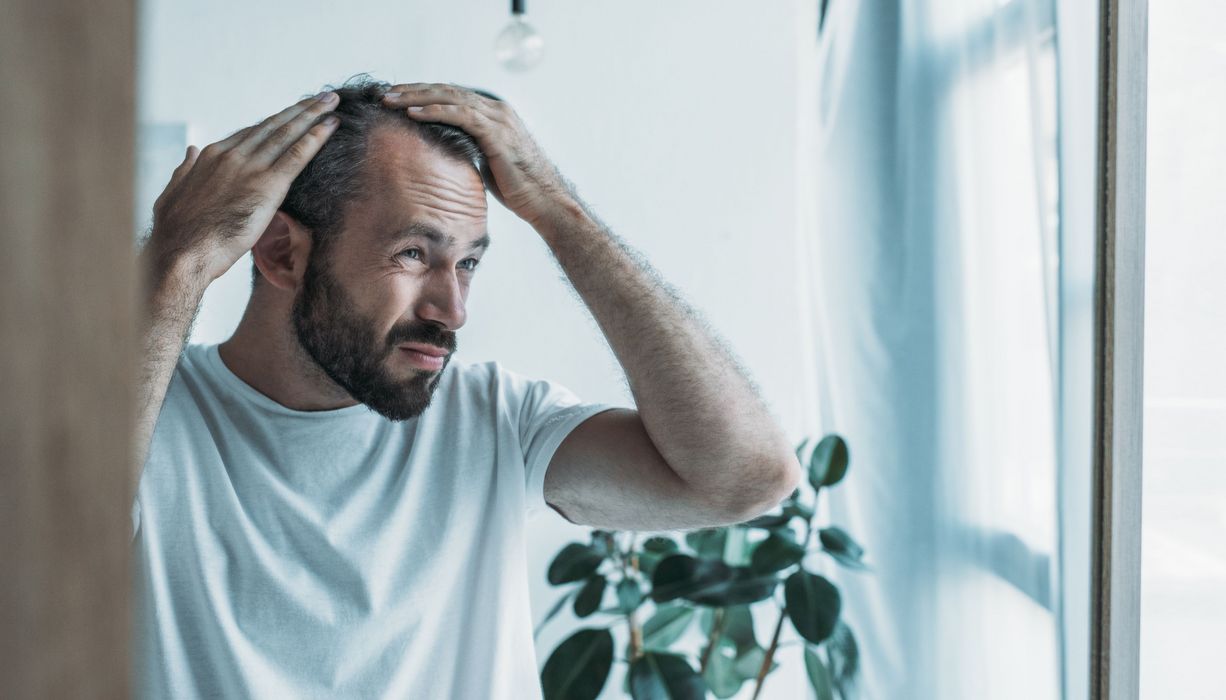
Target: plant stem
[
  {"x": 717, "y": 628},
  {"x": 783, "y": 612},
  {"x": 770, "y": 653},
  {"x": 636, "y": 632}
]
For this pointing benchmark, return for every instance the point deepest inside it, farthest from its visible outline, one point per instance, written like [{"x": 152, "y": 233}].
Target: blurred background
[
  {"x": 1183, "y": 557},
  {"x": 887, "y": 209}
]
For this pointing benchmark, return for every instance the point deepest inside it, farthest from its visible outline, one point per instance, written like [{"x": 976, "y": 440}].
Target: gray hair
[{"x": 319, "y": 195}]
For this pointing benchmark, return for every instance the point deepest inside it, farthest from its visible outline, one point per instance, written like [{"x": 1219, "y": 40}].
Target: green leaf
[
  {"x": 579, "y": 667},
  {"x": 707, "y": 542},
  {"x": 813, "y": 605},
  {"x": 677, "y": 574},
  {"x": 750, "y": 662},
  {"x": 775, "y": 553},
  {"x": 799, "y": 510},
  {"x": 829, "y": 462},
  {"x": 844, "y": 655},
  {"x": 575, "y": 561},
  {"x": 819, "y": 677},
  {"x": 601, "y": 542},
  {"x": 768, "y": 521},
  {"x": 557, "y": 607},
  {"x": 842, "y": 547},
  {"x": 737, "y": 626},
  {"x": 660, "y": 544},
  {"x": 743, "y": 586},
  {"x": 590, "y": 595},
  {"x": 736, "y": 546},
  {"x": 666, "y": 626},
  {"x": 648, "y": 561},
  {"x": 721, "y": 676},
  {"x": 659, "y": 676},
  {"x": 629, "y": 595},
  {"x": 708, "y": 582}
]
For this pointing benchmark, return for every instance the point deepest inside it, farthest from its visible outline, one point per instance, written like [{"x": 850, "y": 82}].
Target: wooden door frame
[{"x": 68, "y": 304}]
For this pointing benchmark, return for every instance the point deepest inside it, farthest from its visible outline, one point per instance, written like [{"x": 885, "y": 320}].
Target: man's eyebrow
[{"x": 437, "y": 237}]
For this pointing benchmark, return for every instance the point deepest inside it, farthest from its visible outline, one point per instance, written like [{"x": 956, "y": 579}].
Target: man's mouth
[{"x": 424, "y": 349}]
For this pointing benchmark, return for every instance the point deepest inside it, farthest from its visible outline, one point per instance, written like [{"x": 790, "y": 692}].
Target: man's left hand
[{"x": 518, "y": 174}]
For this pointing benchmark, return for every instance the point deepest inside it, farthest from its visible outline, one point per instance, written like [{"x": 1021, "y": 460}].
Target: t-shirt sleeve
[{"x": 548, "y": 412}]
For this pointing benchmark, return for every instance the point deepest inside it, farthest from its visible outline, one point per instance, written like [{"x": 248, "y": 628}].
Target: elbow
[{"x": 770, "y": 486}]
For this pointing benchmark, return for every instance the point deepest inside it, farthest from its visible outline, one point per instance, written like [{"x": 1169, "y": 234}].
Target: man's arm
[
  {"x": 172, "y": 298},
  {"x": 215, "y": 207},
  {"x": 699, "y": 415},
  {"x": 702, "y": 448}
]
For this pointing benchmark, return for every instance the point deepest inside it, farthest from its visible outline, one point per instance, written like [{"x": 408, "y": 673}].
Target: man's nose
[{"x": 442, "y": 300}]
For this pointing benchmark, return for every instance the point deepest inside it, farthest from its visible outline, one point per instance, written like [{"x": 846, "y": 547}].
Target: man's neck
[{"x": 264, "y": 352}]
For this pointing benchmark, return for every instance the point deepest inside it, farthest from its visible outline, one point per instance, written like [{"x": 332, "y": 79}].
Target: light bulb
[{"x": 519, "y": 46}]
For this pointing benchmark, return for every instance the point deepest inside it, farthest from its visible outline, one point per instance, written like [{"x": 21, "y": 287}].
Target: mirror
[{"x": 771, "y": 229}]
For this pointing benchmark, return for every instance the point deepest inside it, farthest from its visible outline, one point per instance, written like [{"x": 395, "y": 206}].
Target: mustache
[{"x": 428, "y": 333}]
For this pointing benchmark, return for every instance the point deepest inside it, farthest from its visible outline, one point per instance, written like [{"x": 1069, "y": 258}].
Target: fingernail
[
  {"x": 416, "y": 109},
  {"x": 391, "y": 95}
]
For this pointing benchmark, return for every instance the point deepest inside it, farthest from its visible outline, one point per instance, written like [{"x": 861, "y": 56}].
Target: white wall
[{"x": 675, "y": 120}]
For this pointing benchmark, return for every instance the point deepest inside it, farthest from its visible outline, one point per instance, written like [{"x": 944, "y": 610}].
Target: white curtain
[{"x": 931, "y": 253}]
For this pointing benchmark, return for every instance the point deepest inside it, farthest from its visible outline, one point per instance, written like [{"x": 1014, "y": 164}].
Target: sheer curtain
[{"x": 931, "y": 255}]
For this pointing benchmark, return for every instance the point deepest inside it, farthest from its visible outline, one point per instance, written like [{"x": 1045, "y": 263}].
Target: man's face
[{"x": 398, "y": 274}]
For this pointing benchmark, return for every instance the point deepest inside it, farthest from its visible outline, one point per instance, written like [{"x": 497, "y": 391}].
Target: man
[{"x": 330, "y": 507}]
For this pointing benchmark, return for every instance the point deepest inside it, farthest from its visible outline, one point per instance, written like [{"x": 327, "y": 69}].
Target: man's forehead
[
  {"x": 393, "y": 150},
  {"x": 411, "y": 182}
]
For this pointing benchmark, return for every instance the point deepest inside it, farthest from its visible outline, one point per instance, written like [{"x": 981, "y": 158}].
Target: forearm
[
  {"x": 699, "y": 406},
  {"x": 172, "y": 295}
]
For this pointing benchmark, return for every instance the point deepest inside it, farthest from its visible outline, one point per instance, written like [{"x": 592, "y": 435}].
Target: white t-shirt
[{"x": 337, "y": 554}]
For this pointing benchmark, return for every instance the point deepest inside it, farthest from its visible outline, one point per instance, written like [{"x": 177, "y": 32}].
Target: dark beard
[{"x": 344, "y": 345}]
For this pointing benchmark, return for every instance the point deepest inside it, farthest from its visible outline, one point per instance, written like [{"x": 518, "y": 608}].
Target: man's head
[{"x": 377, "y": 239}]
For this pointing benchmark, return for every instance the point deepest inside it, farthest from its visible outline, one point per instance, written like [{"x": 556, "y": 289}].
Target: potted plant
[{"x": 661, "y": 587}]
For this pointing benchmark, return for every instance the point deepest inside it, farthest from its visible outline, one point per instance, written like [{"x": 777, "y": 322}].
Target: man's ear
[{"x": 281, "y": 253}]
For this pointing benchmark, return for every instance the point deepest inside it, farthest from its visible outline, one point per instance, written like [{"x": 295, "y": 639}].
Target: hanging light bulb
[{"x": 519, "y": 47}]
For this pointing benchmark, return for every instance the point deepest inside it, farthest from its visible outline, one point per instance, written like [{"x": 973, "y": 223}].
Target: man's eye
[{"x": 470, "y": 263}]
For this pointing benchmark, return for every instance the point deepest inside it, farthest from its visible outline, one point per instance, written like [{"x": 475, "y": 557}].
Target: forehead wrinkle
[
  {"x": 444, "y": 196},
  {"x": 407, "y": 165}
]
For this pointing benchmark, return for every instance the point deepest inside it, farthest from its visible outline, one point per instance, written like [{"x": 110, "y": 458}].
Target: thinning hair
[{"x": 337, "y": 176}]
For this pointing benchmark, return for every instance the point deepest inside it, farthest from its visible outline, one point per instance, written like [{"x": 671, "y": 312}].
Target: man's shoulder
[{"x": 488, "y": 379}]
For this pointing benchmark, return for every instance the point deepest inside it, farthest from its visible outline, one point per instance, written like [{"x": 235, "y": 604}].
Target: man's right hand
[{"x": 220, "y": 199}]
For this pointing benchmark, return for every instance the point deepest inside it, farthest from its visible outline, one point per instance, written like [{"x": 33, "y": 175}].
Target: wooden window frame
[{"x": 1118, "y": 352}]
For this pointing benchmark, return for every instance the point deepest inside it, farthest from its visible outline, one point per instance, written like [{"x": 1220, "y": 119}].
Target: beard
[{"x": 346, "y": 347}]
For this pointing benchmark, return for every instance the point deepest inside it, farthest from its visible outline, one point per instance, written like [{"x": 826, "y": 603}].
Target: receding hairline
[
  {"x": 376, "y": 157},
  {"x": 392, "y": 128}
]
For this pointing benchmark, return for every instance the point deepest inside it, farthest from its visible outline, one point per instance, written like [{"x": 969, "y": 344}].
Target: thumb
[{"x": 189, "y": 159}]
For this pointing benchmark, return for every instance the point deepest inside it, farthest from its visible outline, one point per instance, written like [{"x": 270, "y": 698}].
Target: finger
[
  {"x": 269, "y": 123},
  {"x": 410, "y": 94},
  {"x": 189, "y": 159},
  {"x": 299, "y": 153},
  {"x": 396, "y": 92},
  {"x": 492, "y": 108},
  {"x": 228, "y": 142},
  {"x": 474, "y": 121},
  {"x": 274, "y": 127}
]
